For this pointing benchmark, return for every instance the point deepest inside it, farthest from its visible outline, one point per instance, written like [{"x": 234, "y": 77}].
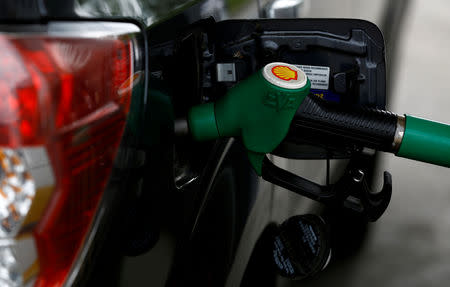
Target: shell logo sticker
[{"x": 284, "y": 73}]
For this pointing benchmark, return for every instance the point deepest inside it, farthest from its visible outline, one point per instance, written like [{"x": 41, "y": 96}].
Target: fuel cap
[
  {"x": 301, "y": 248},
  {"x": 284, "y": 75}
]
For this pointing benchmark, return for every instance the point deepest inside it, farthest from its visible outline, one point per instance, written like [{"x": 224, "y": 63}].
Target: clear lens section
[
  {"x": 17, "y": 190},
  {"x": 18, "y": 262},
  {"x": 9, "y": 273},
  {"x": 22, "y": 202}
]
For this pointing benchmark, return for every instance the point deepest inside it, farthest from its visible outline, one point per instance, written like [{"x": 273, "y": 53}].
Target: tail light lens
[{"x": 65, "y": 95}]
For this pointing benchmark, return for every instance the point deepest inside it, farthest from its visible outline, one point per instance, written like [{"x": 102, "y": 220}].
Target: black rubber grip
[{"x": 353, "y": 126}]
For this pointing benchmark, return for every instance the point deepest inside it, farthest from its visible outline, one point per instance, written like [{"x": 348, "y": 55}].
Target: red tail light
[{"x": 64, "y": 100}]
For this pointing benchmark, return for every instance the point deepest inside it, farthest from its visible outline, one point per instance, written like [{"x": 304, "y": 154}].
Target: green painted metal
[
  {"x": 426, "y": 141},
  {"x": 255, "y": 110}
]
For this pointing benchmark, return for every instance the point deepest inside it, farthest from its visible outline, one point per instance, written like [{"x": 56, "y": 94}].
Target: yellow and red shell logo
[{"x": 284, "y": 73}]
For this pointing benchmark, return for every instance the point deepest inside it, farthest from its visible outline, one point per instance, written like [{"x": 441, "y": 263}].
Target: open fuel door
[{"x": 344, "y": 59}]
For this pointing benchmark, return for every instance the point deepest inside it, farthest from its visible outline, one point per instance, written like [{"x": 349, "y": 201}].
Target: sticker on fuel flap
[{"x": 319, "y": 76}]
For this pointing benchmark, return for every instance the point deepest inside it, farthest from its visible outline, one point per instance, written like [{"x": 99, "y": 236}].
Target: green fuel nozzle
[
  {"x": 259, "y": 110},
  {"x": 265, "y": 106}
]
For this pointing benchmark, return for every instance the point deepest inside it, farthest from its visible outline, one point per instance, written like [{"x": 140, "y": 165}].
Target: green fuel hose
[{"x": 426, "y": 141}]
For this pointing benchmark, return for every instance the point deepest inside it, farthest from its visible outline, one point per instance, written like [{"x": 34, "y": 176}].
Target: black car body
[{"x": 191, "y": 213}]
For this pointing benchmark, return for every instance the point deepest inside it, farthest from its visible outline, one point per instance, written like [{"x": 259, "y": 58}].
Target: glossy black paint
[
  {"x": 207, "y": 216},
  {"x": 214, "y": 208}
]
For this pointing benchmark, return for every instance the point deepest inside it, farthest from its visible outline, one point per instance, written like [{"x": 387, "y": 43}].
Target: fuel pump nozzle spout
[{"x": 259, "y": 109}]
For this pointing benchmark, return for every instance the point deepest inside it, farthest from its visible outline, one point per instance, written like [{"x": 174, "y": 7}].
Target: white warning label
[{"x": 318, "y": 75}]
